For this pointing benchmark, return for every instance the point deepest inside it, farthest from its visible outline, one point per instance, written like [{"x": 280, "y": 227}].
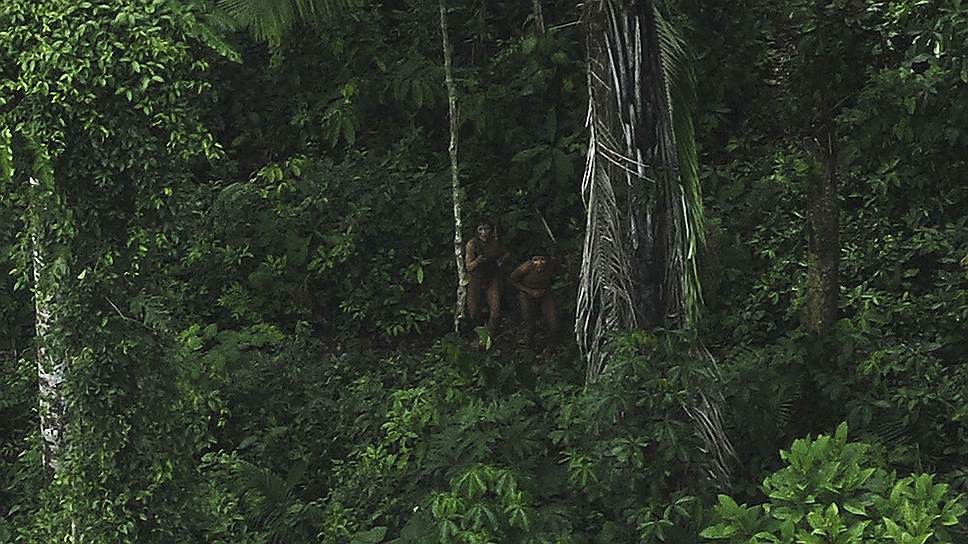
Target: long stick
[{"x": 454, "y": 169}]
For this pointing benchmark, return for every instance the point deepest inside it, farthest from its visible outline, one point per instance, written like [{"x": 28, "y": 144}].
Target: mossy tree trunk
[{"x": 823, "y": 241}]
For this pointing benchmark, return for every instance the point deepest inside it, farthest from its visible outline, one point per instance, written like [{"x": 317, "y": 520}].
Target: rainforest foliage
[{"x": 227, "y": 247}]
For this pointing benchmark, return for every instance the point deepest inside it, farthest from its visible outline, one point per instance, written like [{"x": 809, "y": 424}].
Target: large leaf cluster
[
  {"x": 351, "y": 245},
  {"x": 832, "y": 491},
  {"x": 460, "y": 461}
]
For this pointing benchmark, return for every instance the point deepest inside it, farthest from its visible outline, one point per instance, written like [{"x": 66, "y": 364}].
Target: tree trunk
[
  {"x": 641, "y": 193},
  {"x": 539, "y": 21},
  {"x": 823, "y": 240},
  {"x": 456, "y": 191},
  {"x": 51, "y": 364},
  {"x": 640, "y": 187}
]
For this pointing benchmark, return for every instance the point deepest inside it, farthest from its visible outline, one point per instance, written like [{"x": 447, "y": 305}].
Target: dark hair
[
  {"x": 485, "y": 221},
  {"x": 539, "y": 251}
]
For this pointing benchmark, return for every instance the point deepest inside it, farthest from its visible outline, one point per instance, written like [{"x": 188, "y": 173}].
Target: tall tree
[
  {"x": 825, "y": 56},
  {"x": 456, "y": 191},
  {"x": 52, "y": 364},
  {"x": 48, "y": 264},
  {"x": 100, "y": 106},
  {"x": 641, "y": 182},
  {"x": 823, "y": 234},
  {"x": 641, "y": 190},
  {"x": 538, "y": 14}
]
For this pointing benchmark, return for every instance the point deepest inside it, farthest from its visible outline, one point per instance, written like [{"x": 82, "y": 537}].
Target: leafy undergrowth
[
  {"x": 456, "y": 445},
  {"x": 459, "y": 446}
]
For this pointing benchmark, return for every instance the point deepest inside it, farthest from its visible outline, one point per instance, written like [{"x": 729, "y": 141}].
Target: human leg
[
  {"x": 494, "y": 306},
  {"x": 474, "y": 301},
  {"x": 527, "y": 316},
  {"x": 550, "y": 314}
]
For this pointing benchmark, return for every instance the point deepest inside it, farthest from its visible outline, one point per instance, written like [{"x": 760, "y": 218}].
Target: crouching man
[{"x": 532, "y": 280}]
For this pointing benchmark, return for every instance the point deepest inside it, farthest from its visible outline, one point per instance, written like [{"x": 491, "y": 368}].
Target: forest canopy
[{"x": 483, "y": 271}]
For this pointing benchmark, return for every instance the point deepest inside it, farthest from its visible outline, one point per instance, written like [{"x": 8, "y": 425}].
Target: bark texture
[
  {"x": 641, "y": 192},
  {"x": 640, "y": 186},
  {"x": 457, "y": 193},
  {"x": 823, "y": 240},
  {"x": 51, "y": 364}
]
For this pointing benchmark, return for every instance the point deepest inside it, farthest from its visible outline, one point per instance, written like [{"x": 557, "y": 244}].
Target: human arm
[
  {"x": 518, "y": 275},
  {"x": 471, "y": 259}
]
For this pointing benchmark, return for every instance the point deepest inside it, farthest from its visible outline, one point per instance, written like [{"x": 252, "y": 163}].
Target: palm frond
[
  {"x": 783, "y": 412},
  {"x": 894, "y": 430},
  {"x": 719, "y": 451},
  {"x": 265, "y": 491},
  {"x": 644, "y": 222},
  {"x": 270, "y": 20},
  {"x": 641, "y": 182},
  {"x": 677, "y": 63}
]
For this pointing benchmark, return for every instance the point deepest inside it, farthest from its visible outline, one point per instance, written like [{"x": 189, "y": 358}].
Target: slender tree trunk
[
  {"x": 539, "y": 21},
  {"x": 51, "y": 365},
  {"x": 823, "y": 239},
  {"x": 456, "y": 191}
]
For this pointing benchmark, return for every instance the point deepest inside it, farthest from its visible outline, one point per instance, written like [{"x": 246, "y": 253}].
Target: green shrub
[
  {"x": 834, "y": 492},
  {"x": 482, "y": 450}
]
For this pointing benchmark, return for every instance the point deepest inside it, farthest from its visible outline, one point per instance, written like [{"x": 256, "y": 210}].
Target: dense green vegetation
[{"x": 228, "y": 225}]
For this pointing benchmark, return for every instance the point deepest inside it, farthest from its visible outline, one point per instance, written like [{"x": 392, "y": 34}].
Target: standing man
[
  {"x": 532, "y": 279},
  {"x": 483, "y": 258}
]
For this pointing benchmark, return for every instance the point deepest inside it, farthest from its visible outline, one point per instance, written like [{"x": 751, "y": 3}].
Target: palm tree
[
  {"x": 641, "y": 182},
  {"x": 644, "y": 221}
]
